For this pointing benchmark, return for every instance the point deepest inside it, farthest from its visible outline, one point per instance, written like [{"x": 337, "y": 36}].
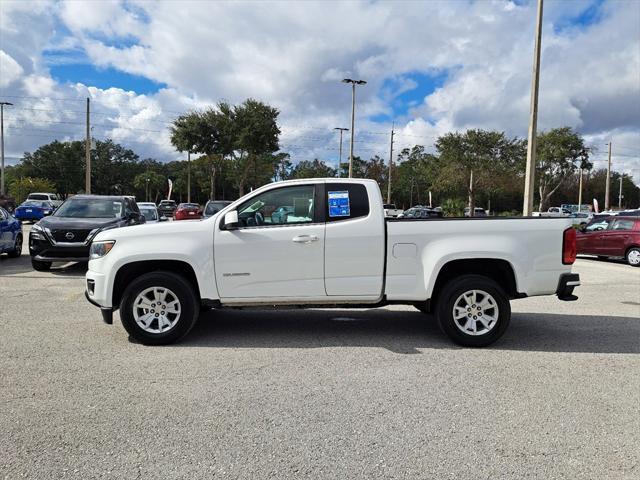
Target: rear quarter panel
[{"x": 417, "y": 251}]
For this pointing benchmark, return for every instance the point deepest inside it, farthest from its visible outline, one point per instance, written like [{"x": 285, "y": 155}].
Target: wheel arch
[
  {"x": 499, "y": 270},
  {"x": 130, "y": 271}
]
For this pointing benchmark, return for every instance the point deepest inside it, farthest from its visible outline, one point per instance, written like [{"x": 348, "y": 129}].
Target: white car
[
  {"x": 150, "y": 212},
  {"x": 334, "y": 249},
  {"x": 46, "y": 197},
  {"x": 390, "y": 210}
]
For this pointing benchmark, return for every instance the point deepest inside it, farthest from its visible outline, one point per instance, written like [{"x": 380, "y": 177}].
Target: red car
[
  {"x": 612, "y": 236},
  {"x": 187, "y": 211}
]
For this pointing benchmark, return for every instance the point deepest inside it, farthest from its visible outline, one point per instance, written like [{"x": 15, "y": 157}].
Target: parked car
[
  {"x": 150, "y": 212},
  {"x": 477, "y": 212},
  {"x": 612, "y": 237},
  {"x": 390, "y": 210},
  {"x": 167, "y": 207},
  {"x": 581, "y": 218},
  {"x": 214, "y": 206},
  {"x": 66, "y": 235},
  {"x": 336, "y": 250},
  {"x": 630, "y": 213},
  {"x": 10, "y": 234},
  {"x": 421, "y": 212},
  {"x": 31, "y": 210},
  {"x": 46, "y": 197},
  {"x": 553, "y": 212},
  {"x": 188, "y": 211}
]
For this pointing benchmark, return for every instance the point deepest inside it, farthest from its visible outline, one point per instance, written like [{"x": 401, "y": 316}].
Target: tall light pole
[
  {"x": 530, "y": 176},
  {"x": 2, "y": 104},
  {"x": 87, "y": 154},
  {"x": 606, "y": 189},
  {"x": 340, "y": 156},
  {"x": 353, "y": 117},
  {"x": 390, "y": 165}
]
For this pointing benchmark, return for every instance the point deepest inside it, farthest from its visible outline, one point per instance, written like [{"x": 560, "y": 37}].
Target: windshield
[
  {"x": 90, "y": 208},
  {"x": 150, "y": 214},
  {"x": 214, "y": 207}
]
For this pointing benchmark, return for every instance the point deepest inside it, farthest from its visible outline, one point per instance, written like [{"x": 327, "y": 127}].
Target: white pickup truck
[{"x": 326, "y": 243}]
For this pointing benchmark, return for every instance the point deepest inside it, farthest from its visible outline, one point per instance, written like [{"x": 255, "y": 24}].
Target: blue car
[
  {"x": 10, "y": 234},
  {"x": 34, "y": 210}
]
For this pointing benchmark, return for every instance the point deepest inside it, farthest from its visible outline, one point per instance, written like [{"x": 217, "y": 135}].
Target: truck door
[
  {"x": 354, "y": 241},
  {"x": 278, "y": 249}
]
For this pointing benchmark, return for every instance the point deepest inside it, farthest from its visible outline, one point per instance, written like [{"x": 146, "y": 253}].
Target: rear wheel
[
  {"x": 17, "y": 247},
  {"x": 40, "y": 266},
  {"x": 633, "y": 257},
  {"x": 159, "y": 308},
  {"x": 473, "y": 311}
]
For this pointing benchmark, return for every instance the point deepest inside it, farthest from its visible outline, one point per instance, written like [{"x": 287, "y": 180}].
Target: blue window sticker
[{"x": 339, "y": 204}]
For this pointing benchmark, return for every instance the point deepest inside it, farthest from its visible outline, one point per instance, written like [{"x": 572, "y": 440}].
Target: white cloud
[
  {"x": 10, "y": 69},
  {"x": 294, "y": 54}
]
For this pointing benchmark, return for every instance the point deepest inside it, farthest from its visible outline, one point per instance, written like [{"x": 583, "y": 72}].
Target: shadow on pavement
[
  {"x": 22, "y": 264},
  {"x": 406, "y": 331}
]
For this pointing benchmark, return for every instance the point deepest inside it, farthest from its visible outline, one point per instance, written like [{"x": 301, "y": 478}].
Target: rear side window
[
  {"x": 344, "y": 201},
  {"x": 620, "y": 224}
]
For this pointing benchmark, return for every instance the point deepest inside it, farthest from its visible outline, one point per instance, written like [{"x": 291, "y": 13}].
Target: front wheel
[
  {"x": 159, "y": 308},
  {"x": 473, "y": 311},
  {"x": 633, "y": 257}
]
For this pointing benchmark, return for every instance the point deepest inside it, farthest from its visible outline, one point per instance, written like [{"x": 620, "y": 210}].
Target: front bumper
[
  {"x": 43, "y": 251},
  {"x": 566, "y": 284},
  {"x": 107, "y": 313}
]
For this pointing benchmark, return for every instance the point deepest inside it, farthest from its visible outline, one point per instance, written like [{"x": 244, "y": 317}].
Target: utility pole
[
  {"x": 2, "y": 104},
  {"x": 87, "y": 155},
  {"x": 580, "y": 193},
  {"x": 353, "y": 117},
  {"x": 390, "y": 164},
  {"x": 606, "y": 190},
  {"x": 530, "y": 176},
  {"x": 340, "y": 156},
  {"x": 189, "y": 176},
  {"x": 620, "y": 195}
]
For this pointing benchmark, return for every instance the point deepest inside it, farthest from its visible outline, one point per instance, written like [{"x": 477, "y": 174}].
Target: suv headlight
[
  {"x": 100, "y": 249},
  {"x": 37, "y": 232}
]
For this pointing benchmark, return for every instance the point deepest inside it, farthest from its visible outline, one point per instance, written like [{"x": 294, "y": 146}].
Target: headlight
[
  {"x": 37, "y": 232},
  {"x": 36, "y": 228},
  {"x": 100, "y": 249}
]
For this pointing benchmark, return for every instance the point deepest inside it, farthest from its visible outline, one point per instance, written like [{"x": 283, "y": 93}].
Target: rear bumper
[{"x": 566, "y": 284}]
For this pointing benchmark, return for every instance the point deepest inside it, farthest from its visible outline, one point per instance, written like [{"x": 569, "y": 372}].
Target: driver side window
[{"x": 282, "y": 206}]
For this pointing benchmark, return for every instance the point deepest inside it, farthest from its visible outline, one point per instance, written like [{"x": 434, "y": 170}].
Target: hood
[
  {"x": 70, "y": 223},
  {"x": 184, "y": 227}
]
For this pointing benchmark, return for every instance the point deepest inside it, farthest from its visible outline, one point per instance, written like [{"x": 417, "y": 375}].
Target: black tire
[
  {"x": 17, "y": 247},
  {"x": 183, "y": 291},
  {"x": 632, "y": 255},
  {"x": 451, "y": 294},
  {"x": 40, "y": 266}
]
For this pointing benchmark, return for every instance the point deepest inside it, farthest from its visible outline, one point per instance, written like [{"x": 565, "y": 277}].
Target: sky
[{"x": 431, "y": 67}]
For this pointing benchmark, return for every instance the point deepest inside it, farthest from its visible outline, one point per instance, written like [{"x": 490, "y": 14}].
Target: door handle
[{"x": 305, "y": 239}]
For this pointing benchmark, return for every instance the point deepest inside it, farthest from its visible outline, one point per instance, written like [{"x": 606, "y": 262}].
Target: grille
[{"x": 79, "y": 236}]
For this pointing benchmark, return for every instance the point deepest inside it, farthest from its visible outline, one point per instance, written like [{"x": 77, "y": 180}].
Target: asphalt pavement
[{"x": 335, "y": 394}]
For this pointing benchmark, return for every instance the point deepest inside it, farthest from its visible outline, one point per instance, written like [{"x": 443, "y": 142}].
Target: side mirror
[
  {"x": 231, "y": 220},
  {"x": 583, "y": 227}
]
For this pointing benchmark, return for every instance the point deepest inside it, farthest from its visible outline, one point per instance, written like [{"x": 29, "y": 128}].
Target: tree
[
  {"x": 479, "y": 159},
  {"x": 560, "y": 153},
  {"x": 151, "y": 183},
  {"x": 21, "y": 187},
  {"x": 312, "y": 169},
  {"x": 62, "y": 163},
  {"x": 413, "y": 176}
]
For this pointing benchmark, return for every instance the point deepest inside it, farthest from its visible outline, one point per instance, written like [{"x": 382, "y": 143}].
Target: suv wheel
[
  {"x": 473, "y": 311},
  {"x": 40, "y": 266},
  {"x": 159, "y": 308}
]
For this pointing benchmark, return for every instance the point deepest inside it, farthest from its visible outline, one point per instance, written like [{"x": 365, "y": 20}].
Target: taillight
[{"x": 569, "y": 248}]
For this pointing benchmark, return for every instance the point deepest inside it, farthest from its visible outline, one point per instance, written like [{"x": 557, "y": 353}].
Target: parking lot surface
[{"x": 342, "y": 394}]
